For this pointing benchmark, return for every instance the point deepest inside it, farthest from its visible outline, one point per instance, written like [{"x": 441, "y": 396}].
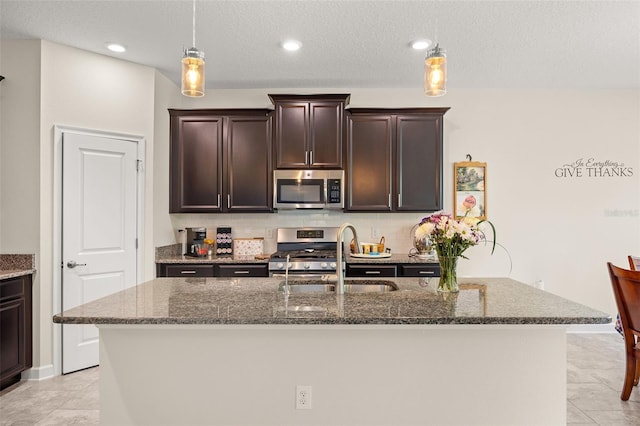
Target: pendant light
[
  {"x": 435, "y": 71},
  {"x": 193, "y": 67}
]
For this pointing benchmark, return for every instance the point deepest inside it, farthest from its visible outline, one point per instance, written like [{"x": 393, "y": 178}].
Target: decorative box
[{"x": 248, "y": 246}]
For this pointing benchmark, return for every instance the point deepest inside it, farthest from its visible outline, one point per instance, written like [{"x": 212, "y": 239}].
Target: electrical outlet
[
  {"x": 374, "y": 233},
  {"x": 303, "y": 397},
  {"x": 268, "y": 233}
]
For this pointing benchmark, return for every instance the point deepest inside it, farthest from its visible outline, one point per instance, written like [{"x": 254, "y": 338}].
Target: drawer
[
  {"x": 242, "y": 270},
  {"x": 11, "y": 288},
  {"x": 432, "y": 270},
  {"x": 370, "y": 270},
  {"x": 187, "y": 271}
]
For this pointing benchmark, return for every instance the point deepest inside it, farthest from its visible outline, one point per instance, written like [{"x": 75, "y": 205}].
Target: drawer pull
[
  {"x": 372, "y": 272},
  {"x": 427, "y": 272},
  {"x": 240, "y": 272},
  {"x": 188, "y": 272}
]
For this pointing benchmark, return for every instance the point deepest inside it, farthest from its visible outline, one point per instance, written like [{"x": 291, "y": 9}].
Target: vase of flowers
[{"x": 451, "y": 237}]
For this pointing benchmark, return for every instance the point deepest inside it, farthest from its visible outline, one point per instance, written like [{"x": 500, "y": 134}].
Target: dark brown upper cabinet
[
  {"x": 309, "y": 131},
  {"x": 220, "y": 161},
  {"x": 394, "y": 159}
]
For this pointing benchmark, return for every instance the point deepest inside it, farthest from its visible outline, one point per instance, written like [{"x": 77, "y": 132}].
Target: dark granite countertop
[
  {"x": 394, "y": 259},
  {"x": 13, "y": 273},
  {"x": 209, "y": 260},
  {"x": 16, "y": 265},
  {"x": 258, "y": 301}
]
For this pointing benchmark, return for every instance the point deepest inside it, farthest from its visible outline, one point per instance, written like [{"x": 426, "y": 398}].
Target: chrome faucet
[{"x": 340, "y": 238}]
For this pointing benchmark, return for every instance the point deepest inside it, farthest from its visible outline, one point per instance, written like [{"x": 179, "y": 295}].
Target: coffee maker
[{"x": 195, "y": 242}]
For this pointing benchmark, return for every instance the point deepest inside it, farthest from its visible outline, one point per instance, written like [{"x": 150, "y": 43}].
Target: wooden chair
[
  {"x": 634, "y": 263},
  {"x": 626, "y": 289}
]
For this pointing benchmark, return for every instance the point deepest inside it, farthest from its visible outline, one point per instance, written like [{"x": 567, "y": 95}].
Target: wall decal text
[{"x": 593, "y": 168}]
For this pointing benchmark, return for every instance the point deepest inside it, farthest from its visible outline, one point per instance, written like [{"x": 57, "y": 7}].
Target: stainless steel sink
[{"x": 350, "y": 286}]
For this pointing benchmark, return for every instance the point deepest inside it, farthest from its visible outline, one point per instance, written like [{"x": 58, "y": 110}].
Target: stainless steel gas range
[{"x": 305, "y": 252}]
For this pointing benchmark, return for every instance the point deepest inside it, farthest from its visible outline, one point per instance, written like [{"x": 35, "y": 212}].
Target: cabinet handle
[
  {"x": 228, "y": 201},
  {"x": 241, "y": 272},
  {"x": 306, "y": 158},
  {"x": 426, "y": 272},
  {"x": 372, "y": 272},
  {"x": 310, "y": 158},
  {"x": 187, "y": 272},
  {"x": 399, "y": 200},
  {"x": 219, "y": 203},
  {"x": 389, "y": 202}
]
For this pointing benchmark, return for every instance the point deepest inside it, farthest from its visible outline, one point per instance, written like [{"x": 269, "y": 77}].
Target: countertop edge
[
  {"x": 334, "y": 321},
  {"x": 16, "y": 273}
]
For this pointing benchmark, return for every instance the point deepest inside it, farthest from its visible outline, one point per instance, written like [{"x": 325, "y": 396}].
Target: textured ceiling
[{"x": 355, "y": 44}]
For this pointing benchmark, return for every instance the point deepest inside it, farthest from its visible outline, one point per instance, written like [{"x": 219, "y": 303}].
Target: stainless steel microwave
[{"x": 308, "y": 189}]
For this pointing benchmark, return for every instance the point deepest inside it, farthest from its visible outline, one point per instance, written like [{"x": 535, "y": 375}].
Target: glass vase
[{"x": 448, "y": 274}]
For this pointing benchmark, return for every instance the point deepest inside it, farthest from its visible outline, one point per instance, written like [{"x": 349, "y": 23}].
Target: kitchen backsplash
[
  {"x": 17, "y": 261},
  {"x": 395, "y": 227}
]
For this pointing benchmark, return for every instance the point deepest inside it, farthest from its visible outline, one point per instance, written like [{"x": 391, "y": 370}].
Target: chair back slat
[
  {"x": 626, "y": 289},
  {"x": 634, "y": 263}
]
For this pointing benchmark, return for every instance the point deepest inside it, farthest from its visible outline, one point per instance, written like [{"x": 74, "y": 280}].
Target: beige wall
[
  {"x": 20, "y": 159},
  {"x": 74, "y": 88},
  {"x": 559, "y": 230}
]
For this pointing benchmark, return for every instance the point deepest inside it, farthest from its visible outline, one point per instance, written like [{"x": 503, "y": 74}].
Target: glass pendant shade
[
  {"x": 193, "y": 73},
  {"x": 435, "y": 72}
]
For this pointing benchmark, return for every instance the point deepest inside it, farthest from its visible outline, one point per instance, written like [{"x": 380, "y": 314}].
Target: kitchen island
[{"x": 232, "y": 351}]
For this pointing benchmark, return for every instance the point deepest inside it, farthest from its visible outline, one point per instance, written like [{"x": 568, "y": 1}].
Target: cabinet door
[
  {"x": 325, "y": 140},
  {"x": 242, "y": 270},
  {"x": 185, "y": 270},
  {"x": 15, "y": 329},
  {"x": 195, "y": 165},
  {"x": 422, "y": 270},
  {"x": 248, "y": 164},
  {"x": 369, "y": 143},
  {"x": 418, "y": 163},
  {"x": 371, "y": 271},
  {"x": 292, "y": 133}
]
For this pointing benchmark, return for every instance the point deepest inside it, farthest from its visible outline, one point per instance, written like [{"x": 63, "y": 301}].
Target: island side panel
[{"x": 374, "y": 375}]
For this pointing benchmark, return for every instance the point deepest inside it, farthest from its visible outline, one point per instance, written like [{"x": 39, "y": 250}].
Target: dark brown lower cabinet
[
  {"x": 370, "y": 271},
  {"x": 15, "y": 329},
  {"x": 428, "y": 270},
  {"x": 212, "y": 270},
  {"x": 242, "y": 270},
  {"x": 184, "y": 270}
]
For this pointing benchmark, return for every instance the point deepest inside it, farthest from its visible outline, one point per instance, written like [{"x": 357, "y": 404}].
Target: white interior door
[{"x": 99, "y": 217}]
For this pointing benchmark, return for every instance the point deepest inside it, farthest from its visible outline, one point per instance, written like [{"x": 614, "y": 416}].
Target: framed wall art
[{"x": 470, "y": 189}]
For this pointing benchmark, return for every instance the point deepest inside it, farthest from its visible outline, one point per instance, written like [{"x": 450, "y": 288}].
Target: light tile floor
[{"x": 595, "y": 370}]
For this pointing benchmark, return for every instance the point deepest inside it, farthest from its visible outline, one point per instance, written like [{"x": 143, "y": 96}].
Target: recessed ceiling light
[
  {"x": 421, "y": 44},
  {"x": 116, "y": 47},
  {"x": 291, "y": 45}
]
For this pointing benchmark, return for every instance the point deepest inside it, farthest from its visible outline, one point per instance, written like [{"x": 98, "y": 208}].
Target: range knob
[
  {"x": 324, "y": 265},
  {"x": 333, "y": 264},
  {"x": 307, "y": 266},
  {"x": 289, "y": 265},
  {"x": 279, "y": 265}
]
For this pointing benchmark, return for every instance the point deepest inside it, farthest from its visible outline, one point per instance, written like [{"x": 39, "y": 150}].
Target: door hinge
[{"x": 139, "y": 166}]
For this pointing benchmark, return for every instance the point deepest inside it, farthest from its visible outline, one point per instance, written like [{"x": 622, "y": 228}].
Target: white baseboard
[
  {"x": 38, "y": 373},
  {"x": 592, "y": 328}
]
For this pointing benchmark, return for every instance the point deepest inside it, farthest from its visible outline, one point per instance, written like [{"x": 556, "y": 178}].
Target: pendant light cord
[{"x": 194, "y": 24}]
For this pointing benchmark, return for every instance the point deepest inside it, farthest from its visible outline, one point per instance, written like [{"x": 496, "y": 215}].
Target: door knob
[{"x": 72, "y": 264}]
